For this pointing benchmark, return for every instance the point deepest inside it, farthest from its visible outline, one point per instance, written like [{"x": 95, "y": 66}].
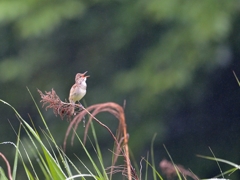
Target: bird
[{"x": 79, "y": 89}]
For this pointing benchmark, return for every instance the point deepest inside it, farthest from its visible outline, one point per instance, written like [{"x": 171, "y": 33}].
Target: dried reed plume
[
  {"x": 51, "y": 100},
  {"x": 170, "y": 170}
]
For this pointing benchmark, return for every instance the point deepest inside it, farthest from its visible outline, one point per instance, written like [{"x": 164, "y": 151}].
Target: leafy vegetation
[{"x": 55, "y": 164}]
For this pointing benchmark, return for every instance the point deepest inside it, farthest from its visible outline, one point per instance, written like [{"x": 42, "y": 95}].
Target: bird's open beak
[{"x": 84, "y": 75}]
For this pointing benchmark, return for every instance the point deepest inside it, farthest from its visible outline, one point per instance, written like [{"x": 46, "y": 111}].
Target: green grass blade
[
  {"x": 81, "y": 175},
  {"x": 55, "y": 170},
  {"x": 155, "y": 171},
  {"x": 236, "y": 78},
  {"x": 152, "y": 157},
  {"x": 2, "y": 174},
  {"x": 220, "y": 160},
  {"x": 44, "y": 171},
  {"x": 85, "y": 167},
  {"x": 29, "y": 175},
  {"x": 99, "y": 154},
  {"x": 176, "y": 169},
  {"x": 146, "y": 169},
  {"x": 90, "y": 158},
  {"x": 16, "y": 155},
  {"x": 40, "y": 113},
  {"x": 68, "y": 160},
  {"x": 49, "y": 133}
]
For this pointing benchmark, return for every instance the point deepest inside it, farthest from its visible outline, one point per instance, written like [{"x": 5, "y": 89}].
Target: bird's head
[{"x": 81, "y": 77}]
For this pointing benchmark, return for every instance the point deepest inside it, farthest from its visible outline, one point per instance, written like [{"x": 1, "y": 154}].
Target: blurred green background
[{"x": 171, "y": 61}]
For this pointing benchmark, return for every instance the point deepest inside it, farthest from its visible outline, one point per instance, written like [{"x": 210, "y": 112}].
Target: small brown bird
[{"x": 79, "y": 89}]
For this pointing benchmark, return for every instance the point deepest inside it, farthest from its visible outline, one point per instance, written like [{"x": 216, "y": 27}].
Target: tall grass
[{"x": 55, "y": 164}]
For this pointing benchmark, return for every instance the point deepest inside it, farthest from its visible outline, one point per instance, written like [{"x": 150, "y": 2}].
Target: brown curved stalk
[
  {"x": 115, "y": 110},
  {"x": 8, "y": 166}
]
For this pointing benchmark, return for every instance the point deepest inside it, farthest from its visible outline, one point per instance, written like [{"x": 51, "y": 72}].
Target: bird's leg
[
  {"x": 83, "y": 116},
  {"x": 73, "y": 109}
]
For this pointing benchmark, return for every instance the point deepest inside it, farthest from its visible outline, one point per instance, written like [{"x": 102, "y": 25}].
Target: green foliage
[
  {"x": 2, "y": 174},
  {"x": 187, "y": 44},
  {"x": 51, "y": 165},
  {"x": 34, "y": 18},
  {"x": 177, "y": 39}
]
